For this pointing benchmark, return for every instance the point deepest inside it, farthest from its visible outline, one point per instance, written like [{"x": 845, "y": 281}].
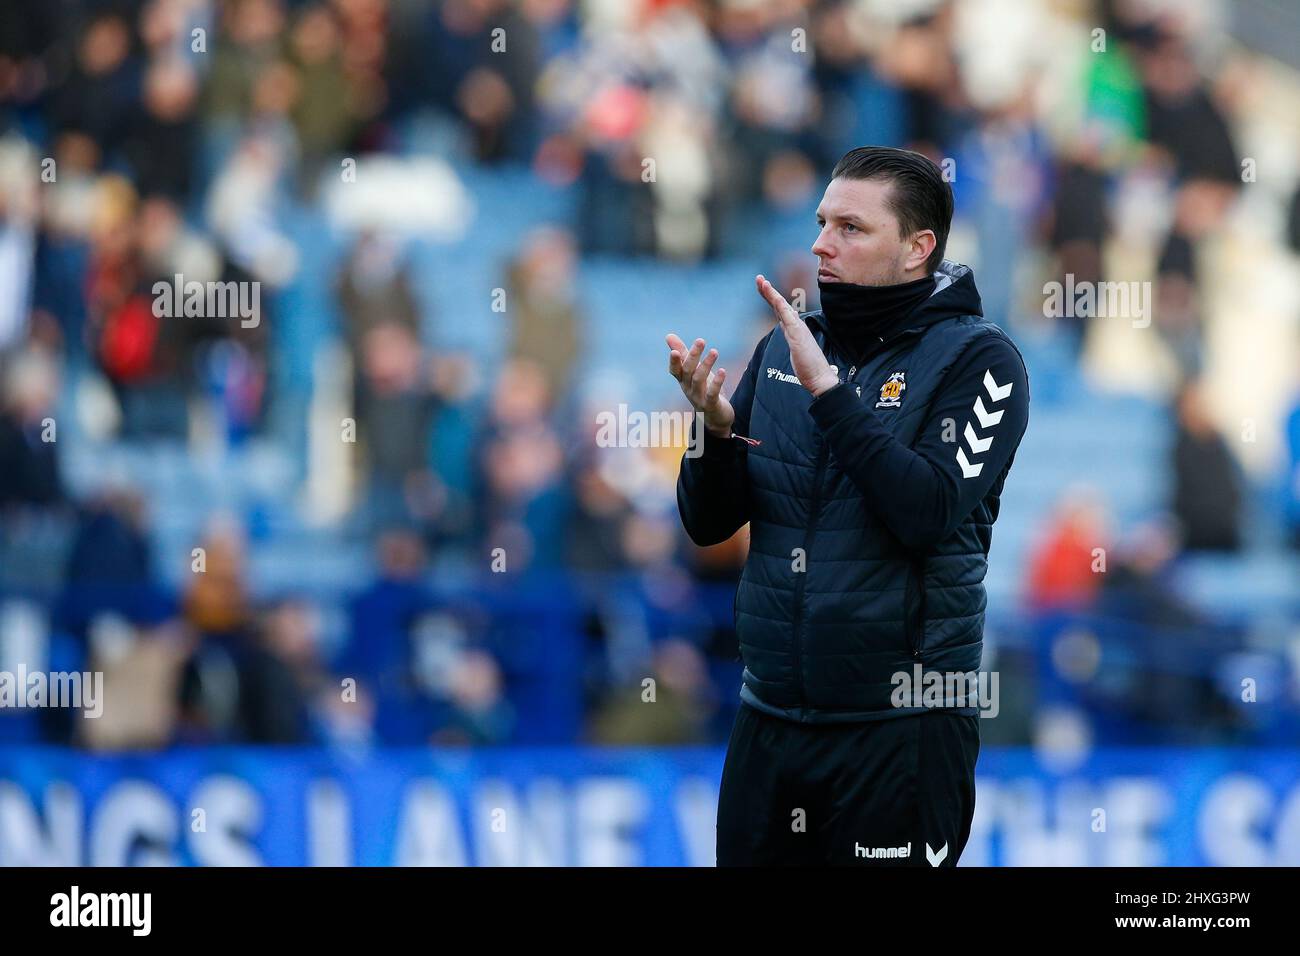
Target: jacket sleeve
[
  {"x": 964, "y": 448},
  {"x": 713, "y": 488}
]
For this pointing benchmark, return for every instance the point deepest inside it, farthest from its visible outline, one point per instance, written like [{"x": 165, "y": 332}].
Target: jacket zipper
[
  {"x": 914, "y": 621},
  {"x": 823, "y": 458},
  {"x": 809, "y": 533}
]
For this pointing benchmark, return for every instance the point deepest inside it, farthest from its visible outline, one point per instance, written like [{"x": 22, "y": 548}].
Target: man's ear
[{"x": 923, "y": 244}]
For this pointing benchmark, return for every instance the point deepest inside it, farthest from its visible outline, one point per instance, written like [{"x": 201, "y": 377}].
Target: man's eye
[{"x": 849, "y": 227}]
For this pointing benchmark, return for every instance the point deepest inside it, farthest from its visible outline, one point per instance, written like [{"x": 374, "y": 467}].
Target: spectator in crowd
[
  {"x": 523, "y": 506},
  {"x": 109, "y": 565},
  {"x": 417, "y": 677},
  {"x": 375, "y": 289},
  {"x": 1169, "y": 643},
  {"x": 378, "y": 655},
  {"x": 29, "y": 466},
  {"x": 281, "y": 677},
  {"x": 141, "y": 353},
  {"x": 143, "y": 666},
  {"x": 673, "y": 710},
  {"x": 492, "y": 94},
  {"x": 97, "y": 97},
  {"x": 1079, "y": 225},
  {"x": 233, "y": 687},
  {"x": 161, "y": 143},
  {"x": 1067, "y": 565},
  {"x": 1207, "y": 481},
  {"x": 545, "y": 323},
  {"x": 1138, "y": 582},
  {"x": 399, "y": 391}
]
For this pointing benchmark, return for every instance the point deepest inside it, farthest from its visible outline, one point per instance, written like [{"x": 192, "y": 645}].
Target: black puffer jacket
[{"x": 871, "y": 508}]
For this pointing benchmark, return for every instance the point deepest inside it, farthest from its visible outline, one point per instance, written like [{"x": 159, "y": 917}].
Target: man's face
[{"x": 859, "y": 240}]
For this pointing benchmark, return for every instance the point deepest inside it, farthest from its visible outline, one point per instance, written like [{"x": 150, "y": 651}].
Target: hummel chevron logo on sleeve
[
  {"x": 996, "y": 392},
  {"x": 977, "y": 445},
  {"x": 986, "y": 419}
]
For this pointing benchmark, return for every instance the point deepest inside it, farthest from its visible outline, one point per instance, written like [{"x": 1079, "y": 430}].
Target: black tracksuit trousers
[{"x": 896, "y": 792}]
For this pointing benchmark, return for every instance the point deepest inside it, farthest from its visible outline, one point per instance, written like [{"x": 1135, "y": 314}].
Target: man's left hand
[{"x": 815, "y": 373}]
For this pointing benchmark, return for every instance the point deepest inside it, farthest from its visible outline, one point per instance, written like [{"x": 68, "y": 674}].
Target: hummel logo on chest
[{"x": 782, "y": 376}]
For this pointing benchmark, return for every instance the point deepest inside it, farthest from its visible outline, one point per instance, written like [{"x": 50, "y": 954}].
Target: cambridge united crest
[{"x": 891, "y": 393}]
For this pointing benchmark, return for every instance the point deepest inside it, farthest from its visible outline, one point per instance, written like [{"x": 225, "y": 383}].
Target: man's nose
[{"x": 821, "y": 247}]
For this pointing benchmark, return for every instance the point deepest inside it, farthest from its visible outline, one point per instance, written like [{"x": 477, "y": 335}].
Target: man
[{"x": 866, "y": 445}]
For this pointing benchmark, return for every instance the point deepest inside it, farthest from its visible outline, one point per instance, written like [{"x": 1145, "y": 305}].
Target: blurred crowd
[{"x": 146, "y": 139}]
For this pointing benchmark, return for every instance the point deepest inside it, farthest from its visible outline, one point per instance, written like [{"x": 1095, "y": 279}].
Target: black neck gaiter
[{"x": 859, "y": 315}]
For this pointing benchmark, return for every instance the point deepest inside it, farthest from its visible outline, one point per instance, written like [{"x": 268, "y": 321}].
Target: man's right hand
[{"x": 700, "y": 384}]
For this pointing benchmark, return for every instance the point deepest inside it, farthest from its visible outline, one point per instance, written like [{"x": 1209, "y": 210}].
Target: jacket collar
[{"x": 954, "y": 294}]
